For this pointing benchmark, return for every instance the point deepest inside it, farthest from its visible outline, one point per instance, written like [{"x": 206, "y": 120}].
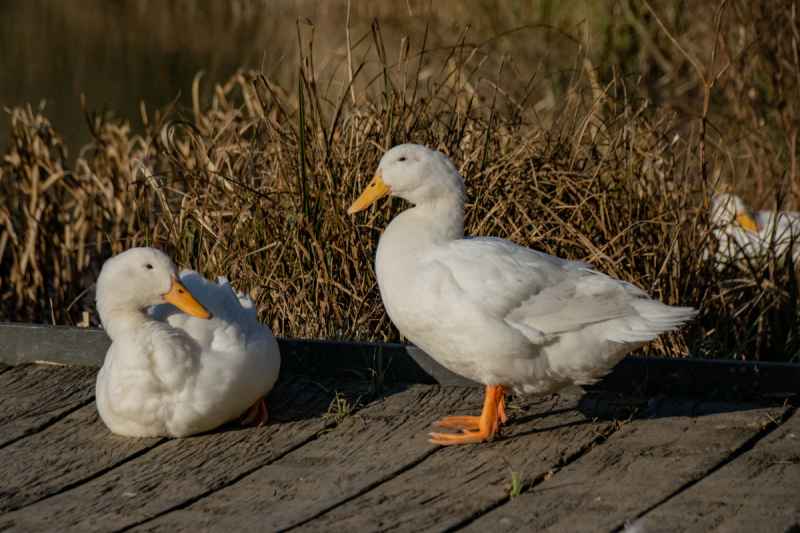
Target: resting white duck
[
  {"x": 741, "y": 235},
  {"x": 490, "y": 310},
  {"x": 197, "y": 359}
]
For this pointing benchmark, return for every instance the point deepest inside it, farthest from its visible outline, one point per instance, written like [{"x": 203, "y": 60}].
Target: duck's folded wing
[
  {"x": 543, "y": 296},
  {"x": 235, "y": 321},
  {"x": 257, "y": 334}
]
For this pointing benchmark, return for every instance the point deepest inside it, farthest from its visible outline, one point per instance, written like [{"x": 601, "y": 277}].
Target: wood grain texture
[
  {"x": 403, "y": 363},
  {"x": 33, "y": 396},
  {"x": 758, "y": 491},
  {"x": 365, "y": 450},
  {"x": 643, "y": 463},
  {"x": 651, "y": 376},
  {"x": 460, "y": 482},
  {"x": 27, "y": 343},
  {"x": 72, "y": 450},
  {"x": 181, "y": 470},
  {"x": 377, "y": 472}
]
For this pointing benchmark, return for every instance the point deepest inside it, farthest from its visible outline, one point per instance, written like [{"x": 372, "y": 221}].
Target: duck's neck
[
  {"x": 122, "y": 323},
  {"x": 416, "y": 230}
]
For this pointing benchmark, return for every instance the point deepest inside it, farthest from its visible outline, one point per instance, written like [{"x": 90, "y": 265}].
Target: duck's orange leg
[
  {"x": 255, "y": 416},
  {"x": 476, "y": 428},
  {"x": 472, "y": 423},
  {"x": 501, "y": 408}
]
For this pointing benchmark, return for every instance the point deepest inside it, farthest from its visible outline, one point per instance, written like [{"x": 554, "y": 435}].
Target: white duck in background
[
  {"x": 741, "y": 235},
  {"x": 171, "y": 374},
  {"x": 490, "y": 310}
]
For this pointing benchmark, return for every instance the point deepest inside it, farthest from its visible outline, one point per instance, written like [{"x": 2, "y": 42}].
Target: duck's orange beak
[
  {"x": 747, "y": 222},
  {"x": 180, "y": 297},
  {"x": 376, "y": 190}
]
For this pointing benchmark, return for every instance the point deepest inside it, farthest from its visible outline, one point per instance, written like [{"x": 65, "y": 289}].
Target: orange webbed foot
[
  {"x": 469, "y": 437},
  {"x": 476, "y": 428},
  {"x": 256, "y": 416},
  {"x": 467, "y": 423}
]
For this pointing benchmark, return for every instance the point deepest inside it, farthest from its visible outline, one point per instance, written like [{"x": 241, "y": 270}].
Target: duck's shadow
[
  {"x": 297, "y": 399},
  {"x": 614, "y": 406},
  {"x": 620, "y": 408}
]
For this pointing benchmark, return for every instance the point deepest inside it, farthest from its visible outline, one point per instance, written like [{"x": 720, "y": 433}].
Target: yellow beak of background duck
[
  {"x": 376, "y": 190},
  {"x": 180, "y": 297},
  {"x": 747, "y": 222}
]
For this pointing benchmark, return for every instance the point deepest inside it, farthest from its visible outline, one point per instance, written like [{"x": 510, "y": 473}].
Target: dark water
[
  {"x": 116, "y": 53},
  {"x": 120, "y": 53}
]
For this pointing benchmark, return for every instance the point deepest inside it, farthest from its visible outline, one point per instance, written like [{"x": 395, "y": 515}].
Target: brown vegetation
[{"x": 255, "y": 184}]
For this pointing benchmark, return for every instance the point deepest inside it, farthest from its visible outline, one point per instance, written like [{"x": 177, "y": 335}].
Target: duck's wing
[
  {"x": 241, "y": 306},
  {"x": 543, "y": 296},
  {"x": 787, "y": 233},
  {"x": 234, "y": 325},
  {"x": 782, "y": 228},
  {"x": 787, "y": 224}
]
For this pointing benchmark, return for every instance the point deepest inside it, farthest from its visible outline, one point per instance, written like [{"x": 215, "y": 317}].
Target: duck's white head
[
  {"x": 138, "y": 279},
  {"x": 417, "y": 174},
  {"x": 729, "y": 207}
]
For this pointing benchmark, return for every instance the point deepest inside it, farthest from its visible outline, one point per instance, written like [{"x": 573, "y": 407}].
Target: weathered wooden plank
[
  {"x": 673, "y": 444},
  {"x": 703, "y": 379},
  {"x": 457, "y": 483},
  {"x": 179, "y": 471},
  {"x": 33, "y": 396},
  {"x": 758, "y": 491},
  {"x": 26, "y": 343},
  {"x": 651, "y": 376},
  {"x": 67, "y": 452},
  {"x": 403, "y": 363},
  {"x": 366, "y": 449}
]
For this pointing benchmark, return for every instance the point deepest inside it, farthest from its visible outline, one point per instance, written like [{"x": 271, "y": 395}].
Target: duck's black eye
[
  {"x": 402, "y": 159},
  {"x": 149, "y": 266}
]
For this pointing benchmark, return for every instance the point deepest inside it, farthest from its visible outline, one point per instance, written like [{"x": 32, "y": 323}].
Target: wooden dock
[{"x": 585, "y": 462}]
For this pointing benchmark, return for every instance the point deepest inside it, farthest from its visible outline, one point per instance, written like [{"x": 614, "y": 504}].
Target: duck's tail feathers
[
  {"x": 257, "y": 335},
  {"x": 244, "y": 300},
  {"x": 654, "y": 318}
]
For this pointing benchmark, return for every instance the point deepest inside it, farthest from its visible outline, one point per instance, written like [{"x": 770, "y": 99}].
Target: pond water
[{"x": 122, "y": 53}]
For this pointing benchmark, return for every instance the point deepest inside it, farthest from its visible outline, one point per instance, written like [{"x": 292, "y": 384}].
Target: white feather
[
  {"x": 171, "y": 374},
  {"x": 491, "y": 310},
  {"x": 778, "y": 231}
]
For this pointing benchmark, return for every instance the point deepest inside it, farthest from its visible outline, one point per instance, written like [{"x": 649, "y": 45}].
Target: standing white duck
[
  {"x": 493, "y": 311},
  {"x": 742, "y": 236},
  {"x": 171, "y": 374}
]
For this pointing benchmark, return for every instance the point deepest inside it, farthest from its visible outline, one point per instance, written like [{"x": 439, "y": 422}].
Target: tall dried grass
[{"x": 255, "y": 186}]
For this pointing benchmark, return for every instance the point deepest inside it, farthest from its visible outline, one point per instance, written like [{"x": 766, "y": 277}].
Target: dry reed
[{"x": 255, "y": 185}]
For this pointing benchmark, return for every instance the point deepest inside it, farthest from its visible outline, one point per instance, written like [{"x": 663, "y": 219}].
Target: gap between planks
[
  {"x": 92, "y": 505},
  {"x": 370, "y": 454},
  {"x": 673, "y": 444},
  {"x": 459, "y": 482},
  {"x": 44, "y": 426},
  {"x": 747, "y": 446},
  {"x": 69, "y": 453},
  {"x": 34, "y": 398},
  {"x": 365, "y": 490},
  {"x": 377, "y": 421},
  {"x": 228, "y": 483},
  {"x": 765, "y": 450}
]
